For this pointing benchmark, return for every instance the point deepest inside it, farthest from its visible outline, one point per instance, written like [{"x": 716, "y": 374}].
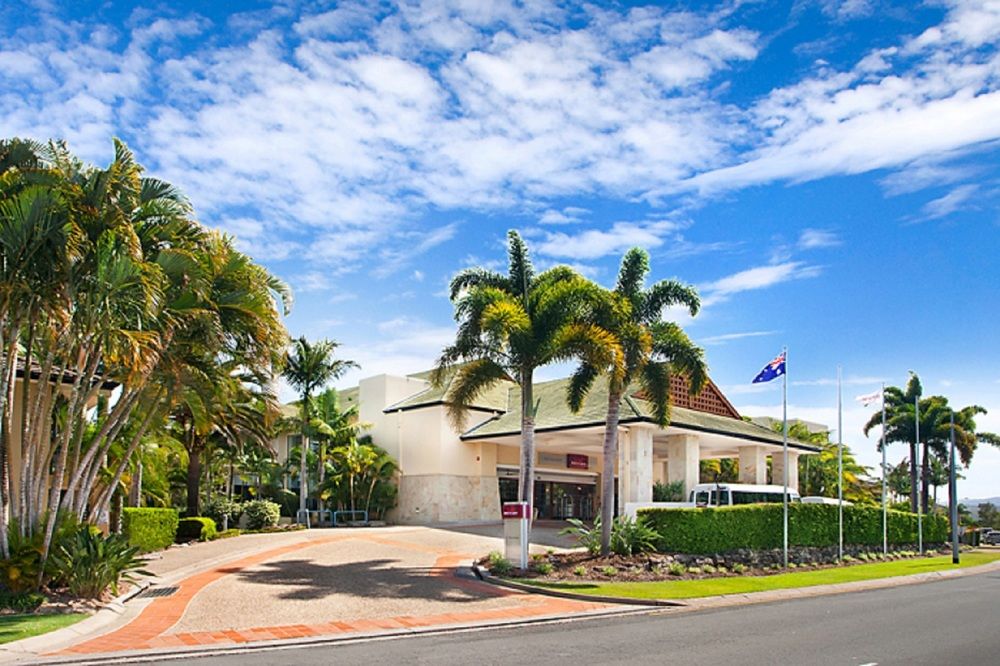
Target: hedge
[
  {"x": 758, "y": 527},
  {"x": 202, "y": 529},
  {"x": 149, "y": 529},
  {"x": 261, "y": 514}
]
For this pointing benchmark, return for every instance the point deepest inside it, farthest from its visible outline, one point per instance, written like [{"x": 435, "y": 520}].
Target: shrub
[
  {"x": 738, "y": 568},
  {"x": 21, "y": 602},
  {"x": 499, "y": 565},
  {"x": 676, "y": 569},
  {"x": 580, "y": 571},
  {"x": 668, "y": 492},
  {"x": 609, "y": 571},
  {"x": 91, "y": 563},
  {"x": 628, "y": 537},
  {"x": 149, "y": 529},
  {"x": 758, "y": 527},
  {"x": 544, "y": 568},
  {"x": 708, "y": 568},
  {"x": 261, "y": 514},
  {"x": 694, "y": 570},
  {"x": 200, "y": 529},
  {"x": 219, "y": 507}
]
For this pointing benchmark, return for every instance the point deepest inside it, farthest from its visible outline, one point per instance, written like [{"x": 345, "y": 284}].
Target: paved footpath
[{"x": 314, "y": 584}]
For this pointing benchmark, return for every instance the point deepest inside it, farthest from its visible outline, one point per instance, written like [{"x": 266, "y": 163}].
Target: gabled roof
[
  {"x": 553, "y": 414},
  {"x": 494, "y": 400}
]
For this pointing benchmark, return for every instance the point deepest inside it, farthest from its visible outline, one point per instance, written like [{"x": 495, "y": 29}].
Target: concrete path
[{"x": 312, "y": 584}]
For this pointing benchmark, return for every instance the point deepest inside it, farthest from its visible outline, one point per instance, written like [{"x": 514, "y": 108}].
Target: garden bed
[{"x": 580, "y": 566}]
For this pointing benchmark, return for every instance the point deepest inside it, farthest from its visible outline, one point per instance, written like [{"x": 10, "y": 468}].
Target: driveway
[{"x": 317, "y": 583}]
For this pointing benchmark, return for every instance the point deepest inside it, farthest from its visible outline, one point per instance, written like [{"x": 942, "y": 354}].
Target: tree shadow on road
[{"x": 379, "y": 578}]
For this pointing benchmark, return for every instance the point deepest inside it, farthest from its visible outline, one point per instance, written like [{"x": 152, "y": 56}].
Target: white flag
[{"x": 869, "y": 398}]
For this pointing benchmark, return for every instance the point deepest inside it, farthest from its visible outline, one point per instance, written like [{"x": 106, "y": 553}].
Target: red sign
[
  {"x": 515, "y": 510},
  {"x": 577, "y": 461}
]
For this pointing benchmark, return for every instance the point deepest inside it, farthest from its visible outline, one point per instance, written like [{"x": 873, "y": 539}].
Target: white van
[
  {"x": 732, "y": 494},
  {"x": 830, "y": 501},
  {"x": 720, "y": 494}
]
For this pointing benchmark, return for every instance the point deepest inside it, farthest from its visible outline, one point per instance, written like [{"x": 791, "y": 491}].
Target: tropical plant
[
  {"x": 818, "y": 472},
  {"x": 668, "y": 492},
  {"x": 111, "y": 299},
  {"x": 641, "y": 349},
  {"x": 508, "y": 326},
  {"x": 361, "y": 474},
  {"x": 309, "y": 367},
  {"x": 90, "y": 563},
  {"x": 628, "y": 536}
]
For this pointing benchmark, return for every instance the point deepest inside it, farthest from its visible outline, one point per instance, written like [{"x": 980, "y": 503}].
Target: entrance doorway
[{"x": 559, "y": 501}]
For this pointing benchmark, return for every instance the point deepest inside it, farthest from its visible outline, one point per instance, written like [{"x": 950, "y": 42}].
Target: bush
[
  {"x": 609, "y": 571},
  {"x": 261, "y": 514},
  {"x": 668, "y": 492},
  {"x": 580, "y": 570},
  {"x": 91, "y": 563},
  {"x": 544, "y": 568},
  {"x": 628, "y": 537},
  {"x": 499, "y": 565},
  {"x": 218, "y": 508},
  {"x": 21, "y": 602},
  {"x": 149, "y": 529},
  {"x": 677, "y": 569},
  {"x": 758, "y": 527},
  {"x": 200, "y": 529}
]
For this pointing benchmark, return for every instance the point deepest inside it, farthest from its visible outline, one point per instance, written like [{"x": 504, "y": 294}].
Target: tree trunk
[
  {"x": 303, "y": 485},
  {"x": 608, "y": 471},
  {"x": 135, "y": 490},
  {"x": 925, "y": 477},
  {"x": 913, "y": 477},
  {"x": 526, "y": 481},
  {"x": 193, "y": 481}
]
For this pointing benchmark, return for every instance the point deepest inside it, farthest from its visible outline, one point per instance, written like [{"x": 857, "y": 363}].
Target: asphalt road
[{"x": 954, "y": 621}]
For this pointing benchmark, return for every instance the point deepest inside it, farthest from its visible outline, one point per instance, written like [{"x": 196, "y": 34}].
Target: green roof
[
  {"x": 554, "y": 414},
  {"x": 494, "y": 400}
]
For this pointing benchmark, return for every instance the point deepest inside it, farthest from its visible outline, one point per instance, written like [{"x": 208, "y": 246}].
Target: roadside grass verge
[
  {"x": 707, "y": 587},
  {"x": 16, "y": 627}
]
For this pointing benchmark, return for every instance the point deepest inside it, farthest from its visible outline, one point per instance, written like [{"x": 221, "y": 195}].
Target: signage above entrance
[{"x": 577, "y": 461}]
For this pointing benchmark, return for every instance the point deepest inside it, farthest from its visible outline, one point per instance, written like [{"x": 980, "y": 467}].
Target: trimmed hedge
[
  {"x": 758, "y": 527},
  {"x": 202, "y": 529},
  {"x": 149, "y": 529}
]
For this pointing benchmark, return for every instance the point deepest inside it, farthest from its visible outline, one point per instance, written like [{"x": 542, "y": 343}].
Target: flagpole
[
  {"x": 885, "y": 514},
  {"x": 840, "y": 468},
  {"x": 784, "y": 453},
  {"x": 916, "y": 451}
]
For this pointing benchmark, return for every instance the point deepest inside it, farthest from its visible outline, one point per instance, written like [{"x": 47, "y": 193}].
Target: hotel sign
[{"x": 577, "y": 461}]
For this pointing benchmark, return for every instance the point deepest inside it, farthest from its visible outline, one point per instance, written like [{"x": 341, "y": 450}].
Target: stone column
[
  {"x": 777, "y": 467},
  {"x": 641, "y": 465},
  {"x": 683, "y": 456},
  {"x": 753, "y": 465}
]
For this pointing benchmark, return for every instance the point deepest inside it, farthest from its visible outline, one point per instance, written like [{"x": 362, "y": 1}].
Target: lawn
[
  {"x": 16, "y": 627},
  {"x": 706, "y": 587}
]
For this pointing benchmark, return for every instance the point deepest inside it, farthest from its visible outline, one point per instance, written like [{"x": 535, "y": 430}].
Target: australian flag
[{"x": 772, "y": 370}]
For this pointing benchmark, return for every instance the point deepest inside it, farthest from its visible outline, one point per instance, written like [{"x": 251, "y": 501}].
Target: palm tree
[
  {"x": 900, "y": 425},
  {"x": 643, "y": 349},
  {"x": 309, "y": 367},
  {"x": 818, "y": 472},
  {"x": 508, "y": 326}
]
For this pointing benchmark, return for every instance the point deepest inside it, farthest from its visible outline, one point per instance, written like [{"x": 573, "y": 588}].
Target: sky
[{"x": 825, "y": 173}]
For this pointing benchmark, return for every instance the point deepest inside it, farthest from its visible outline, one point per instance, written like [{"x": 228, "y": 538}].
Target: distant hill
[{"x": 973, "y": 504}]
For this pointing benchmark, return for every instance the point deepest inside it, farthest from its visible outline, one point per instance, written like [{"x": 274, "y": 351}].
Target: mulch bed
[{"x": 581, "y": 566}]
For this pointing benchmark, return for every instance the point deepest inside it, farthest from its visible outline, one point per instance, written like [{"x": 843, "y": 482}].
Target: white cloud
[
  {"x": 729, "y": 337},
  {"x": 596, "y": 243},
  {"x": 760, "y": 277},
  {"x": 811, "y": 239},
  {"x": 950, "y": 202}
]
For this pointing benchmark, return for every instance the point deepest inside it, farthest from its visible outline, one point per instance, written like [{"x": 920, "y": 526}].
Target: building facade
[{"x": 462, "y": 472}]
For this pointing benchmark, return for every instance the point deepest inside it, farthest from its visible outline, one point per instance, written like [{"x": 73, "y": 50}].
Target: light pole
[{"x": 953, "y": 492}]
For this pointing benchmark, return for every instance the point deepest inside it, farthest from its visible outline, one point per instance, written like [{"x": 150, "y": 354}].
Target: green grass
[
  {"x": 16, "y": 627},
  {"x": 690, "y": 589}
]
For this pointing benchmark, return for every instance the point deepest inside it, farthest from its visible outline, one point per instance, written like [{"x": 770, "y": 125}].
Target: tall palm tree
[
  {"x": 900, "y": 425},
  {"x": 645, "y": 350},
  {"x": 508, "y": 326},
  {"x": 308, "y": 368}
]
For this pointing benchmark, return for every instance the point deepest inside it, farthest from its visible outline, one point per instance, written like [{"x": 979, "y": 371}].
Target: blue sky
[{"x": 825, "y": 172}]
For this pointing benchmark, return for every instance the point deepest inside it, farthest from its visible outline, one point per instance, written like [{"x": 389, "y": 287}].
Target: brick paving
[{"x": 205, "y": 610}]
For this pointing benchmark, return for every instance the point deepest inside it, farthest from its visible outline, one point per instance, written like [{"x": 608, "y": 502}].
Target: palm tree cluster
[
  {"x": 117, "y": 311},
  {"x": 902, "y": 407},
  {"x": 509, "y": 325}
]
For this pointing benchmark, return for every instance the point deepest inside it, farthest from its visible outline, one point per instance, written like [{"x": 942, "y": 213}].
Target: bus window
[{"x": 701, "y": 498}]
